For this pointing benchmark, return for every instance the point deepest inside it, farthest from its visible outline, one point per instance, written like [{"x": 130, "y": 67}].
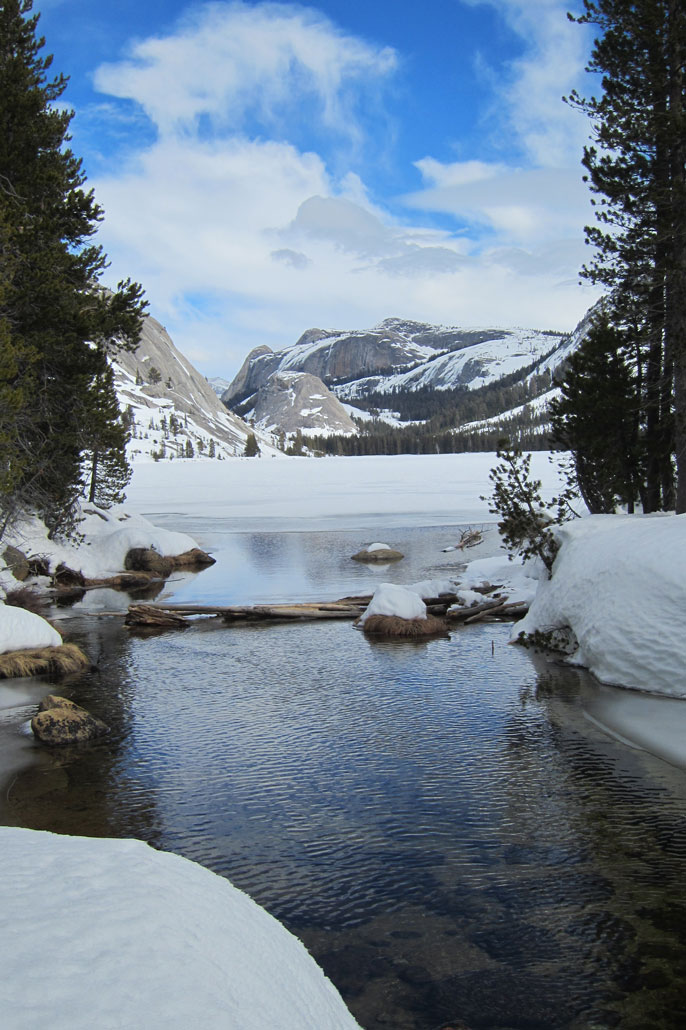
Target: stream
[{"x": 448, "y": 826}]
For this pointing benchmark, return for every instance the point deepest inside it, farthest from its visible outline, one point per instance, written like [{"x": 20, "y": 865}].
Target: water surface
[{"x": 440, "y": 823}]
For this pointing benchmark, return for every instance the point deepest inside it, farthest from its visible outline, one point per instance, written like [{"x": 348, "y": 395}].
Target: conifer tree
[
  {"x": 252, "y": 448},
  {"x": 636, "y": 169},
  {"x": 596, "y": 418},
  {"x": 57, "y": 319},
  {"x": 105, "y": 436}
]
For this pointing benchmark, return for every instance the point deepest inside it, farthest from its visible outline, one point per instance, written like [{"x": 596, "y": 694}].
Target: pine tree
[
  {"x": 637, "y": 172},
  {"x": 105, "y": 436},
  {"x": 57, "y": 319},
  {"x": 252, "y": 448},
  {"x": 596, "y": 418}
]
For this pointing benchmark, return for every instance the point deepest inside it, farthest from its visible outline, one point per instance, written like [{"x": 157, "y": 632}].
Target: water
[{"x": 441, "y": 823}]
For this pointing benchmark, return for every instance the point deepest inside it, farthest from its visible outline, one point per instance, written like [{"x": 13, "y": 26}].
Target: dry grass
[
  {"x": 40, "y": 661},
  {"x": 392, "y": 627},
  {"x": 28, "y": 599}
]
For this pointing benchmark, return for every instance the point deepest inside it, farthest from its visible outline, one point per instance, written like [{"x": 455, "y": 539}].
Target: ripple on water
[{"x": 449, "y": 838}]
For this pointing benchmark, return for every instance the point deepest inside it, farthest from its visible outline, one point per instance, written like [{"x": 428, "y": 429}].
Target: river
[{"x": 445, "y": 825}]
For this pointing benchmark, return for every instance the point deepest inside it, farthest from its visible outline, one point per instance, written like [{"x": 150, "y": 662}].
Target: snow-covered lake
[{"x": 448, "y": 826}]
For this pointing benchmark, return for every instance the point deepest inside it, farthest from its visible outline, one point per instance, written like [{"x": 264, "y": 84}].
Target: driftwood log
[{"x": 175, "y": 616}]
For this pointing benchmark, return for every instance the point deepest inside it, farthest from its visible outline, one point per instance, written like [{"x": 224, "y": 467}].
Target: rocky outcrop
[
  {"x": 291, "y": 401},
  {"x": 145, "y": 559},
  {"x": 148, "y": 560}
]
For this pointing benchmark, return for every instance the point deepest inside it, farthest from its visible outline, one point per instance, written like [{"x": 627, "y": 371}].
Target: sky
[{"x": 266, "y": 168}]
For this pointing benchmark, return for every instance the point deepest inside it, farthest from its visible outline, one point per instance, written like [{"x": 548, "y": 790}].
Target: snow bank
[
  {"x": 20, "y": 630},
  {"x": 620, "y": 583},
  {"x": 392, "y": 599},
  {"x": 109, "y": 933},
  {"x": 108, "y": 536}
]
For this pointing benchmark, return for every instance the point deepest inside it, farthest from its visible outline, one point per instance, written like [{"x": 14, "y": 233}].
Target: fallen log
[
  {"x": 174, "y": 615},
  {"x": 476, "y": 612}
]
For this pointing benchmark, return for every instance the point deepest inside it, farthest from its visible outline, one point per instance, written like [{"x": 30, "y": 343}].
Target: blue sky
[{"x": 265, "y": 168}]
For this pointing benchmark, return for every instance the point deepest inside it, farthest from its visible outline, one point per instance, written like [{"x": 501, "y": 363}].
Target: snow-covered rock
[
  {"x": 172, "y": 405},
  {"x": 619, "y": 582},
  {"x": 110, "y": 933}
]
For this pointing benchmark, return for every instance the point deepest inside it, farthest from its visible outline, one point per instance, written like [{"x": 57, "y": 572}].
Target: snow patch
[{"x": 145, "y": 939}]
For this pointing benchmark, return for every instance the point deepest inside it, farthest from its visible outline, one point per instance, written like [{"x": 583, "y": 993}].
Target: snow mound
[
  {"x": 107, "y": 537},
  {"x": 109, "y": 933},
  {"x": 619, "y": 582},
  {"x": 392, "y": 599},
  {"x": 21, "y": 630}
]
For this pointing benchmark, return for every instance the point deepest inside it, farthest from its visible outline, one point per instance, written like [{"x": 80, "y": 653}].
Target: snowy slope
[
  {"x": 157, "y": 382},
  {"x": 472, "y": 366}
]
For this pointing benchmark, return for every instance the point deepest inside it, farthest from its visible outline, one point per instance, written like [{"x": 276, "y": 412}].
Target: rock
[
  {"x": 292, "y": 401},
  {"x": 145, "y": 559},
  {"x": 193, "y": 559},
  {"x": 55, "y": 701},
  {"x": 17, "y": 563},
  {"x": 67, "y": 724},
  {"x": 381, "y": 554}
]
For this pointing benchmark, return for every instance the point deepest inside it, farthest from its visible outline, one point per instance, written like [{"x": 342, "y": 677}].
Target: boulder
[
  {"x": 17, "y": 563},
  {"x": 146, "y": 559},
  {"x": 193, "y": 559},
  {"x": 55, "y": 701},
  {"x": 377, "y": 553},
  {"x": 66, "y": 723}
]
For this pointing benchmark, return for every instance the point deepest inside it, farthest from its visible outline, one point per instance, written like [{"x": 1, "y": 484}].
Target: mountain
[
  {"x": 296, "y": 401},
  {"x": 376, "y": 368},
  {"x": 396, "y": 354},
  {"x": 172, "y": 409}
]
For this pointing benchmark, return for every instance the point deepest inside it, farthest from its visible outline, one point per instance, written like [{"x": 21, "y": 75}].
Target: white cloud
[
  {"x": 522, "y": 206},
  {"x": 242, "y": 237},
  {"x": 556, "y": 50},
  {"x": 231, "y": 63}
]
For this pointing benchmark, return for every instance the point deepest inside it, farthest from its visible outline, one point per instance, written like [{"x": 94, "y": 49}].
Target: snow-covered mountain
[
  {"x": 395, "y": 356},
  {"x": 173, "y": 410}
]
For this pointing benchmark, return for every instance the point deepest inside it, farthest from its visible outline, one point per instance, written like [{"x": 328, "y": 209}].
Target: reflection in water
[{"x": 441, "y": 825}]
